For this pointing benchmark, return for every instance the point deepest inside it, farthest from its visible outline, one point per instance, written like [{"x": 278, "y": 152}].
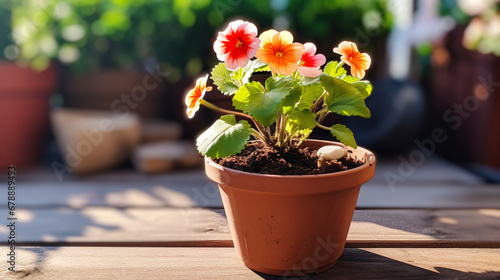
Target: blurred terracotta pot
[
  {"x": 24, "y": 113},
  {"x": 92, "y": 141},
  {"x": 116, "y": 90},
  {"x": 290, "y": 225}
]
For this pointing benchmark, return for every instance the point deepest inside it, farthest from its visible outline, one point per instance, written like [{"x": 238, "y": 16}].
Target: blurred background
[{"x": 88, "y": 86}]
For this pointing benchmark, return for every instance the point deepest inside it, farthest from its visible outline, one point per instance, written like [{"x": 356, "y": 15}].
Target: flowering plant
[{"x": 291, "y": 103}]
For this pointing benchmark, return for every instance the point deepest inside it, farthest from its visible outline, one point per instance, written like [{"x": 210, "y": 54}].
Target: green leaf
[
  {"x": 310, "y": 81},
  {"x": 302, "y": 98},
  {"x": 349, "y": 79},
  {"x": 228, "y": 81},
  {"x": 263, "y": 106},
  {"x": 350, "y": 105},
  {"x": 344, "y": 135},
  {"x": 291, "y": 100},
  {"x": 309, "y": 95},
  {"x": 336, "y": 87},
  {"x": 333, "y": 69},
  {"x": 280, "y": 82},
  {"x": 252, "y": 66},
  {"x": 262, "y": 67},
  {"x": 222, "y": 78},
  {"x": 364, "y": 87},
  {"x": 237, "y": 74},
  {"x": 300, "y": 121},
  {"x": 224, "y": 138}
]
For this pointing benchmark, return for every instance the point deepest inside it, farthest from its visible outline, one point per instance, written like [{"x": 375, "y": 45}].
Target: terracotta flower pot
[
  {"x": 24, "y": 113},
  {"x": 291, "y": 225}
]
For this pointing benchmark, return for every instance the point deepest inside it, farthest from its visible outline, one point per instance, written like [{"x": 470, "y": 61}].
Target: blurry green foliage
[{"x": 91, "y": 34}]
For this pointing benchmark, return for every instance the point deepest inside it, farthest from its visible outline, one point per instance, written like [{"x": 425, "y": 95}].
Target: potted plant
[
  {"x": 289, "y": 200},
  {"x": 24, "y": 101},
  {"x": 111, "y": 62}
]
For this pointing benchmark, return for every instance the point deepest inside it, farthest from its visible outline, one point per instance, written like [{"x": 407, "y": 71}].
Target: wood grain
[
  {"x": 222, "y": 263},
  {"x": 193, "y": 192},
  {"x": 106, "y": 226}
]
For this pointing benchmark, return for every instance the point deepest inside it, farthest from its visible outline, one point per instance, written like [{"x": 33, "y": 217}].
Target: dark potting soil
[{"x": 257, "y": 158}]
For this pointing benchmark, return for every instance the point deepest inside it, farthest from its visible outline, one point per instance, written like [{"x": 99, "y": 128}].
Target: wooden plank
[
  {"x": 192, "y": 190},
  {"x": 222, "y": 263},
  {"x": 436, "y": 184},
  {"x": 102, "y": 226},
  {"x": 434, "y": 169}
]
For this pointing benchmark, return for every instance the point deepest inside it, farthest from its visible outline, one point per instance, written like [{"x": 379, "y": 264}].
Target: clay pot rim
[
  {"x": 294, "y": 184},
  {"x": 369, "y": 156}
]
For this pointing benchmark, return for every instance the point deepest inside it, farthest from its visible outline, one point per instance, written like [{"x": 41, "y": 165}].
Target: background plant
[{"x": 93, "y": 34}]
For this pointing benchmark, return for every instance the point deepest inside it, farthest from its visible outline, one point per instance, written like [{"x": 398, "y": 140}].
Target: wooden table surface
[{"x": 440, "y": 222}]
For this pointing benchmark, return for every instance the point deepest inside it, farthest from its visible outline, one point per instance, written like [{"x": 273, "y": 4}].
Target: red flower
[
  {"x": 309, "y": 62},
  {"x": 359, "y": 62},
  {"x": 237, "y": 44},
  {"x": 194, "y": 96}
]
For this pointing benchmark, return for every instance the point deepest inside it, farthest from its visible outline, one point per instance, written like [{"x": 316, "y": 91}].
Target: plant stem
[
  {"x": 213, "y": 107},
  {"x": 269, "y": 134},
  {"x": 259, "y": 136},
  {"x": 281, "y": 133},
  {"x": 278, "y": 127},
  {"x": 323, "y": 115},
  {"x": 318, "y": 101},
  {"x": 322, "y": 126}
]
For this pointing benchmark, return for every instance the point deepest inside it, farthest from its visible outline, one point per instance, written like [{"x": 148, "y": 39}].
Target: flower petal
[
  {"x": 253, "y": 47},
  {"x": 319, "y": 60},
  {"x": 357, "y": 72},
  {"x": 286, "y": 37},
  {"x": 298, "y": 50},
  {"x": 233, "y": 63},
  {"x": 310, "y": 48},
  {"x": 309, "y": 71},
  {"x": 251, "y": 29},
  {"x": 267, "y": 36},
  {"x": 194, "y": 96}
]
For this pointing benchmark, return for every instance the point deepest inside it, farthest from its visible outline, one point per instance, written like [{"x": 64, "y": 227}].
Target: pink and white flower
[
  {"x": 237, "y": 44},
  {"x": 310, "y": 62}
]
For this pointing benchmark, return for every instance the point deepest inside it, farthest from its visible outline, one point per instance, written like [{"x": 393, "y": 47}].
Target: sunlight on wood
[
  {"x": 172, "y": 197},
  {"x": 134, "y": 196},
  {"x": 49, "y": 238},
  {"x": 80, "y": 200},
  {"x": 371, "y": 231},
  {"x": 108, "y": 224},
  {"x": 26, "y": 261},
  {"x": 24, "y": 215},
  {"x": 447, "y": 220},
  {"x": 490, "y": 212}
]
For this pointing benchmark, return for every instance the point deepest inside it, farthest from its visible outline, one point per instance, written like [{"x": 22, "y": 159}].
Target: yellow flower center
[
  {"x": 278, "y": 54},
  {"x": 301, "y": 63},
  {"x": 239, "y": 44}
]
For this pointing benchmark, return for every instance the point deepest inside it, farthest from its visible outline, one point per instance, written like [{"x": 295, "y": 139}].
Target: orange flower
[
  {"x": 278, "y": 50},
  {"x": 194, "y": 96},
  {"x": 359, "y": 62}
]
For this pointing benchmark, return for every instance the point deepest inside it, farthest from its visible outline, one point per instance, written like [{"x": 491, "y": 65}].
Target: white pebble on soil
[{"x": 331, "y": 152}]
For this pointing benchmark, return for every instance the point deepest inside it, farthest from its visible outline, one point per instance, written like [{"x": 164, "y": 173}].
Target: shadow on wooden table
[{"x": 361, "y": 264}]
